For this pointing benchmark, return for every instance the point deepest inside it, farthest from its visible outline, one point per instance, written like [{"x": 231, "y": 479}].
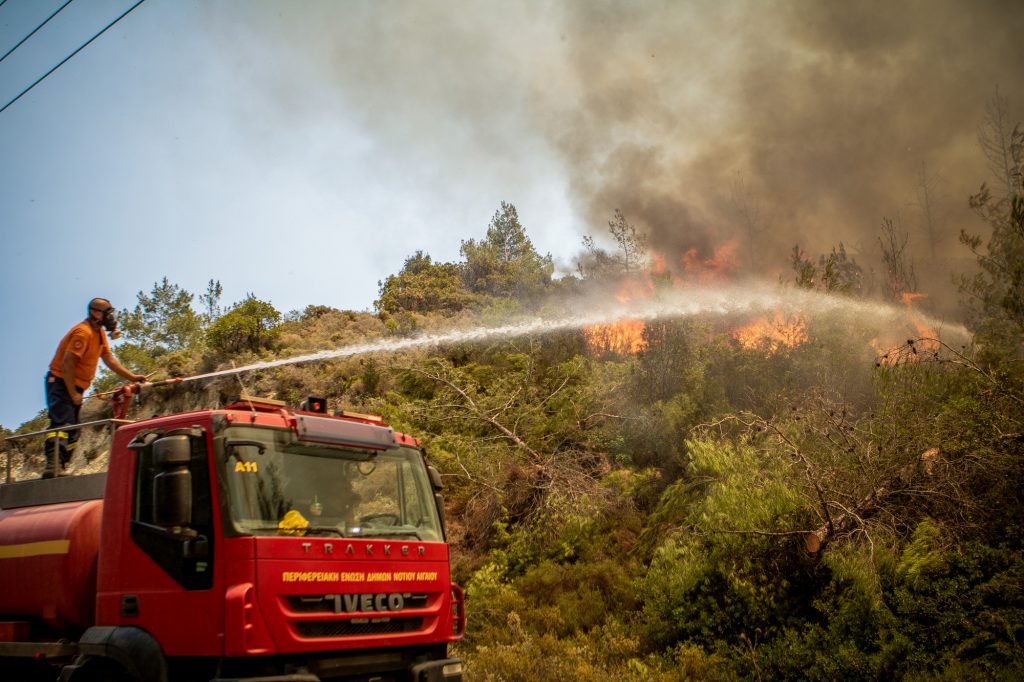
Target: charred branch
[{"x": 903, "y": 482}]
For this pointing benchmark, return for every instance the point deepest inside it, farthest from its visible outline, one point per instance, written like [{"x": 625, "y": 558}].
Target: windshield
[{"x": 277, "y": 485}]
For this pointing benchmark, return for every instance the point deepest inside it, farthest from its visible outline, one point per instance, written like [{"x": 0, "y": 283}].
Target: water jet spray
[{"x": 683, "y": 303}]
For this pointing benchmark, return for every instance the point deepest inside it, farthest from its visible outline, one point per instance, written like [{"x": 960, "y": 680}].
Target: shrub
[{"x": 249, "y": 326}]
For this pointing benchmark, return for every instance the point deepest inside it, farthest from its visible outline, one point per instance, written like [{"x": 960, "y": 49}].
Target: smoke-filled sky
[{"x": 301, "y": 151}]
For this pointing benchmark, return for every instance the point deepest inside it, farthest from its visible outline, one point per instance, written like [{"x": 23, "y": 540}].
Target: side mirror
[
  {"x": 435, "y": 478},
  {"x": 437, "y": 485},
  {"x": 172, "y": 487}
]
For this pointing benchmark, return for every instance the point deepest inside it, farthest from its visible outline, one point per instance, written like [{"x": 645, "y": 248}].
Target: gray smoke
[
  {"x": 769, "y": 123},
  {"x": 787, "y": 122}
]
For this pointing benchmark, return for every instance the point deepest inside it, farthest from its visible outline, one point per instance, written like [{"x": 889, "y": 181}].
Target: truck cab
[{"x": 255, "y": 542}]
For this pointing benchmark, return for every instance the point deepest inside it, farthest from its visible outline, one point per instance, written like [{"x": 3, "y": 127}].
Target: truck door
[{"x": 159, "y": 571}]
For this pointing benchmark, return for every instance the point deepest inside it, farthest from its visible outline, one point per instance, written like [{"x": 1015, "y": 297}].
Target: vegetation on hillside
[{"x": 699, "y": 508}]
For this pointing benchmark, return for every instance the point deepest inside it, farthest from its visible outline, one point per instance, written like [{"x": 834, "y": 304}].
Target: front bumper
[
  {"x": 446, "y": 670},
  {"x": 300, "y": 677}
]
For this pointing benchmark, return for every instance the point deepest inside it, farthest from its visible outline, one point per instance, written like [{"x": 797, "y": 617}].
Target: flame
[
  {"x": 659, "y": 266},
  {"x": 634, "y": 288},
  {"x": 924, "y": 330},
  {"x": 688, "y": 269},
  {"x": 627, "y": 336},
  {"x": 769, "y": 334},
  {"x": 927, "y": 335},
  {"x": 714, "y": 269},
  {"x": 772, "y": 334},
  {"x": 622, "y": 337},
  {"x": 894, "y": 352}
]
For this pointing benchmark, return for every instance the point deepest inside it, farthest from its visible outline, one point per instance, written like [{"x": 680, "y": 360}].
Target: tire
[{"x": 102, "y": 671}]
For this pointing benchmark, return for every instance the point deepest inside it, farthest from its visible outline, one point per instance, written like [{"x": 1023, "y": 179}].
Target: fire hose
[{"x": 120, "y": 398}]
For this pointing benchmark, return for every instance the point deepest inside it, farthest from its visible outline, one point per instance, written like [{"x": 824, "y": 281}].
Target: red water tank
[{"x": 48, "y": 563}]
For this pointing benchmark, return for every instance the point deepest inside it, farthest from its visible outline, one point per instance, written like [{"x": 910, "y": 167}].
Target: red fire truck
[{"x": 253, "y": 542}]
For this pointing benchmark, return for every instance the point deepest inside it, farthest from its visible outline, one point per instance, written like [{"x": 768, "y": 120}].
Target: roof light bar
[{"x": 330, "y": 431}]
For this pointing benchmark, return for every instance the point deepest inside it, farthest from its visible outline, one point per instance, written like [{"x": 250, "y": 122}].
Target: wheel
[{"x": 101, "y": 670}]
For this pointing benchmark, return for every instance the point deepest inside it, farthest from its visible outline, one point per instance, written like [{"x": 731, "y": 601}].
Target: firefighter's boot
[
  {"x": 57, "y": 454},
  {"x": 51, "y": 469}
]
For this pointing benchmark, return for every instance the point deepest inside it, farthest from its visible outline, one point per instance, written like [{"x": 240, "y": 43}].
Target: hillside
[{"x": 825, "y": 492}]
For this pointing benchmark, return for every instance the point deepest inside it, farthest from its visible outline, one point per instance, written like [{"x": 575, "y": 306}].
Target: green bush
[
  {"x": 249, "y": 326},
  {"x": 569, "y": 598},
  {"x": 923, "y": 612},
  {"x": 608, "y": 654},
  {"x": 964, "y": 604}
]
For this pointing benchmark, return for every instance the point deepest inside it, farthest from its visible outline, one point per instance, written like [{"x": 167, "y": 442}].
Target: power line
[
  {"x": 34, "y": 31},
  {"x": 63, "y": 61}
]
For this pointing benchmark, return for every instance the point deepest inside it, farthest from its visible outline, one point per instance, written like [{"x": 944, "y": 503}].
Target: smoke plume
[{"x": 771, "y": 123}]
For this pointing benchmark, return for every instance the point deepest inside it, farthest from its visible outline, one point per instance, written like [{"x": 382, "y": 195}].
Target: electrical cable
[
  {"x": 63, "y": 61},
  {"x": 34, "y": 31}
]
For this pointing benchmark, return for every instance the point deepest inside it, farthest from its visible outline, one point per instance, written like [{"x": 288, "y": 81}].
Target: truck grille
[
  {"x": 328, "y": 604},
  {"x": 385, "y": 614},
  {"x": 358, "y": 626}
]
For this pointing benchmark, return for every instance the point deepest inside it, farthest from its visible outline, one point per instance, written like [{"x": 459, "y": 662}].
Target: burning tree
[
  {"x": 899, "y": 268},
  {"x": 630, "y": 258}
]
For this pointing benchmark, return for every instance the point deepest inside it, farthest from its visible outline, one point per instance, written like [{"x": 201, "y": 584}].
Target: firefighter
[{"x": 71, "y": 371}]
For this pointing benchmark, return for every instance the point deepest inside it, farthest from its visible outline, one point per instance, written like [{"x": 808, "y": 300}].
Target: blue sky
[
  {"x": 301, "y": 151},
  {"x": 167, "y": 147}
]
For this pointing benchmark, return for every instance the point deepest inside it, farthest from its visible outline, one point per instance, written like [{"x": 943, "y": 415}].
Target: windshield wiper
[
  {"x": 323, "y": 530},
  {"x": 371, "y": 532},
  {"x": 309, "y": 530}
]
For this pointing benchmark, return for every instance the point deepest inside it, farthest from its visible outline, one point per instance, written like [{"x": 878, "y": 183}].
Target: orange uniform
[{"x": 88, "y": 345}]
